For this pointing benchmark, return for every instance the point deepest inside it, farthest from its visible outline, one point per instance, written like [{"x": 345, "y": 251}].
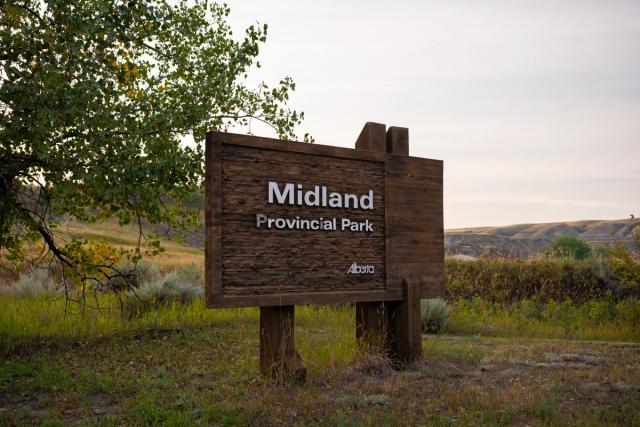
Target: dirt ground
[{"x": 205, "y": 377}]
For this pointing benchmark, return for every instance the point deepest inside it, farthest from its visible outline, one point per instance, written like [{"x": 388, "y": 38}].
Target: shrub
[
  {"x": 623, "y": 266},
  {"x": 528, "y": 309},
  {"x": 132, "y": 276},
  {"x": 435, "y": 315},
  {"x": 568, "y": 247},
  {"x": 600, "y": 311},
  {"x": 33, "y": 283},
  {"x": 190, "y": 273},
  {"x": 164, "y": 290},
  {"x": 628, "y": 311},
  {"x": 565, "y": 314},
  {"x": 507, "y": 281}
]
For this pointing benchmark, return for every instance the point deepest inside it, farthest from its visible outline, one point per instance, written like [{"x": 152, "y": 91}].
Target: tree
[
  {"x": 96, "y": 99},
  {"x": 568, "y": 247},
  {"x": 624, "y": 263}
]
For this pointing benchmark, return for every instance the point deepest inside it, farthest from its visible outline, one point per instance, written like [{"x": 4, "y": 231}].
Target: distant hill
[{"x": 524, "y": 240}]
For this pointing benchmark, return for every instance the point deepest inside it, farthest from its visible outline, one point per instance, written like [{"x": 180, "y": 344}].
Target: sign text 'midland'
[{"x": 294, "y": 194}]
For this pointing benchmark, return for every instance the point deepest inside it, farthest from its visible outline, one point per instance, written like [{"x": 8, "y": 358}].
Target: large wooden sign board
[{"x": 294, "y": 223}]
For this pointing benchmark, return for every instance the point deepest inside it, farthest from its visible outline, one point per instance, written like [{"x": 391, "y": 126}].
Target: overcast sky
[{"x": 534, "y": 106}]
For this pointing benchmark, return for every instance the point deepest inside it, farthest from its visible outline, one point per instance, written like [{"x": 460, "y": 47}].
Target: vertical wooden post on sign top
[
  {"x": 398, "y": 140},
  {"x": 372, "y": 317}
]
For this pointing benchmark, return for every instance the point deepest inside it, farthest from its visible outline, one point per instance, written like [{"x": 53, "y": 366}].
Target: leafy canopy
[
  {"x": 96, "y": 98},
  {"x": 624, "y": 263},
  {"x": 568, "y": 247}
]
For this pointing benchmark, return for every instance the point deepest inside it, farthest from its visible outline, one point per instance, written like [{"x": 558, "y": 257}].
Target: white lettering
[
  {"x": 260, "y": 219},
  {"x": 354, "y": 200},
  {"x": 288, "y": 193},
  {"x": 366, "y": 201},
  {"x": 361, "y": 269},
  {"x": 295, "y": 194},
  {"x": 347, "y": 224},
  {"x": 321, "y": 224},
  {"x": 316, "y": 197},
  {"x": 335, "y": 200}
]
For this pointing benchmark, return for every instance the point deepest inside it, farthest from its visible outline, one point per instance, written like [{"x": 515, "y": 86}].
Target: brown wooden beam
[
  {"x": 372, "y": 137},
  {"x": 371, "y": 317},
  {"x": 405, "y": 327},
  {"x": 372, "y": 327},
  {"x": 279, "y": 359},
  {"x": 398, "y": 140},
  {"x": 393, "y": 326}
]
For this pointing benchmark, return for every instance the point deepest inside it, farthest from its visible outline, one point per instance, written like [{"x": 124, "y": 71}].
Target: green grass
[
  {"x": 183, "y": 364},
  {"x": 551, "y": 320},
  {"x": 186, "y": 365}
]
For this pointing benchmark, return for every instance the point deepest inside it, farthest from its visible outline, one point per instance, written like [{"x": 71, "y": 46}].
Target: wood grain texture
[
  {"x": 414, "y": 224},
  {"x": 372, "y": 138},
  {"x": 398, "y": 140},
  {"x": 262, "y": 261},
  {"x": 278, "y": 356},
  {"x": 213, "y": 217},
  {"x": 405, "y": 325},
  {"x": 247, "y": 266},
  {"x": 372, "y": 324}
]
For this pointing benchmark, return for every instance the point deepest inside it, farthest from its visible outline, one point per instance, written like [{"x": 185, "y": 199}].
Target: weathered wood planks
[{"x": 251, "y": 266}]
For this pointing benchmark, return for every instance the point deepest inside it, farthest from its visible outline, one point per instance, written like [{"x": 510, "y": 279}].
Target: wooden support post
[
  {"x": 371, "y": 317},
  {"x": 278, "y": 356},
  {"x": 372, "y": 325},
  {"x": 391, "y": 326},
  {"x": 405, "y": 325}
]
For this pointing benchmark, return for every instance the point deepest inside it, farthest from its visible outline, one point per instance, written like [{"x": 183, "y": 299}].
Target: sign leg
[
  {"x": 278, "y": 356},
  {"x": 405, "y": 325},
  {"x": 372, "y": 326}
]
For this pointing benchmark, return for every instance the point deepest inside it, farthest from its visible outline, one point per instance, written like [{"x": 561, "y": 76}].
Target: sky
[{"x": 534, "y": 107}]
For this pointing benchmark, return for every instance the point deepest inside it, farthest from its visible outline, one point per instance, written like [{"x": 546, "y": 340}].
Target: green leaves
[
  {"x": 568, "y": 247},
  {"x": 97, "y": 97}
]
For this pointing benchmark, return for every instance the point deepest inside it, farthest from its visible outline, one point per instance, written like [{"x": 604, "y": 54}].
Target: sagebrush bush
[
  {"x": 189, "y": 273},
  {"x": 132, "y": 276},
  {"x": 435, "y": 315},
  {"x": 35, "y": 282},
  {"x": 169, "y": 288}
]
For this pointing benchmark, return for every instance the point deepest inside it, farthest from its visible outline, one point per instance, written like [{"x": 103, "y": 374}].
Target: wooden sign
[{"x": 293, "y": 223}]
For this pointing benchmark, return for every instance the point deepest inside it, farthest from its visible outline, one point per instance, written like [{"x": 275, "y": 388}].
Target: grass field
[{"x": 182, "y": 364}]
